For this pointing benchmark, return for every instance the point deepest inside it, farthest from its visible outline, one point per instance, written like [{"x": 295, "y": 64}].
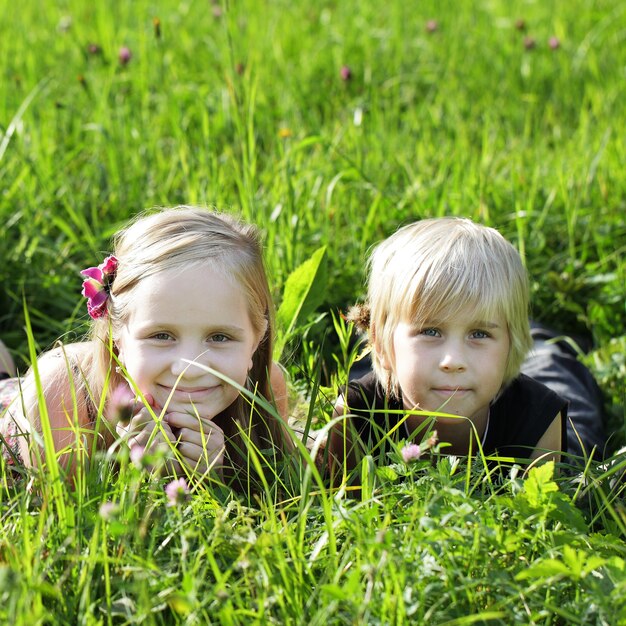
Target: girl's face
[
  {"x": 177, "y": 316},
  {"x": 455, "y": 366}
]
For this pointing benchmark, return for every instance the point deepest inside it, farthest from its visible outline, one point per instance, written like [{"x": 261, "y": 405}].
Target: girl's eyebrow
[{"x": 211, "y": 328}]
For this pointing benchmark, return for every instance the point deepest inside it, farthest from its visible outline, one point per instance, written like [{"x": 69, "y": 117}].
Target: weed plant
[{"x": 328, "y": 124}]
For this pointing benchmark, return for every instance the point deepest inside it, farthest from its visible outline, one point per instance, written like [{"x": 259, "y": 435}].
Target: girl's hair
[
  {"x": 437, "y": 268},
  {"x": 182, "y": 237}
]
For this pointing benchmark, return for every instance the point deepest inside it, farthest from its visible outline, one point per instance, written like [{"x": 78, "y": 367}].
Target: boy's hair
[
  {"x": 182, "y": 237},
  {"x": 437, "y": 268}
]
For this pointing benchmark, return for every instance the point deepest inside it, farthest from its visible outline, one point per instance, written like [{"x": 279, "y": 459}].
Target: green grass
[{"x": 247, "y": 112}]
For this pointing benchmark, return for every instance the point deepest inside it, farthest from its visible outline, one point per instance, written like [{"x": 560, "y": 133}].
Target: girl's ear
[{"x": 260, "y": 338}]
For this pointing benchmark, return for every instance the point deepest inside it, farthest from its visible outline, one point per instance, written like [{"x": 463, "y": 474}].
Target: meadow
[{"x": 328, "y": 124}]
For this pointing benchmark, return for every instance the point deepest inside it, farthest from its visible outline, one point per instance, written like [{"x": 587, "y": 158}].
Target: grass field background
[{"x": 329, "y": 124}]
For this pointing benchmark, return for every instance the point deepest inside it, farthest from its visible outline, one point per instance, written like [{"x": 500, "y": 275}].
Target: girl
[
  {"x": 185, "y": 290},
  {"x": 447, "y": 320}
]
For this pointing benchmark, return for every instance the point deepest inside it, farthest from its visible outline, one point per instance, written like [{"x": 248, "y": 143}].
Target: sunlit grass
[{"x": 447, "y": 108}]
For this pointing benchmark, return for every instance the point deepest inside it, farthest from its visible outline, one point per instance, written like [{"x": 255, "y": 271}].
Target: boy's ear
[{"x": 377, "y": 346}]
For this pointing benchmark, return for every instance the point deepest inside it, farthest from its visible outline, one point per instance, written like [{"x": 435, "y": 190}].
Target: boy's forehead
[{"x": 482, "y": 313}]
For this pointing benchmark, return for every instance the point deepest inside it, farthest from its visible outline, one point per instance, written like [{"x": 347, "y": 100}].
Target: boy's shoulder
[
  {"x": 528, "y": 390},
  {"x": 364, "y": 393},
  {"x": 521, "y": 415}
]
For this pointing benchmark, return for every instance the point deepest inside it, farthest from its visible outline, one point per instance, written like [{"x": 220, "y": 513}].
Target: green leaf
[
  {"x": 304, "y": 292},
  {"x": 539, "y": 483},
  {"x": 546, "y": 568}
]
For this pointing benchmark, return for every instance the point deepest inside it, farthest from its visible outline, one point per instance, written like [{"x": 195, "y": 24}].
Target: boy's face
[{"x": 456, "y": 366}]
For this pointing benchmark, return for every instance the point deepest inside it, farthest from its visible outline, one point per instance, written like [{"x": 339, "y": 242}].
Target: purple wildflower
[
  {"x": 137, "y": 454},
  {"x": 411, "y": 452},
  {"x": 345, "y": 72},
  {"x": 177, "y": 492},
  {"x": 108, "y": 510},
  {"x": 554, "y": 43},
  {"x": 122, "y": 403},
  {"x": 125, "y": 55},
  {"x": 432, "y": 26},
  {"x": 529, "y": 43}
]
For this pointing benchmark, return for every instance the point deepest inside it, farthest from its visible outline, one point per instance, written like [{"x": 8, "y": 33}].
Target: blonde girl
[{"x": 180, "y": 310}]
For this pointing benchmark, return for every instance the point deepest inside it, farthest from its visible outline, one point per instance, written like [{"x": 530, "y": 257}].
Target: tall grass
[{"x": 242, "y": 105}]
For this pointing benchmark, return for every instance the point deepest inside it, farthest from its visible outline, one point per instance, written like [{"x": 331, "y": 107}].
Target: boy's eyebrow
[
  {"x": 481, "y": 323},
  {"x": 486, "y": 324}
]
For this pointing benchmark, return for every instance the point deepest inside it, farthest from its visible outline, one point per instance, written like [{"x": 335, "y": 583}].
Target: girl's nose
[{"x": 185, "y": 363}]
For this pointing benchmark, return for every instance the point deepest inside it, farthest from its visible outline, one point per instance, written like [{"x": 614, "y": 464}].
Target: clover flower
[
  {"x": 108, "y": 511},
  {"x": 529, "y": 43},
  {"x": 554, "y": 43},
  {"x": 345, "y": 72},
  {"x": 122, "y": 404},
  {"x": 177, "y": 492},
  {"x": 411, "y": 452},
  {"x": 124, "y": 55},
  {"x": 432, "y": 26},
  {"x": 137, "y": 455}
]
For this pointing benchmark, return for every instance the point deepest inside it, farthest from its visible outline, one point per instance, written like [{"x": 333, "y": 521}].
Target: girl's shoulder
[
  {"x": 9, "y": 388},
  {"x": 65, "y": 357}
]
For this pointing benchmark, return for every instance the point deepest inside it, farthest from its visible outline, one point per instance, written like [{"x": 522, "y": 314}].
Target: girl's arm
[
  {"x": 66, "y": 408},
  {"x": 549, "y": 447},
  {"x": 279, "y": 390}
]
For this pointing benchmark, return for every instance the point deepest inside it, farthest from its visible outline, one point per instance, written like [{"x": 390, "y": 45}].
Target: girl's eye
[
  {"x": 480, "y": 334},
  {"x": 429, "y": 332},
  {"x": 219, "y": 338},
  {"x": 161, "y": 336}
]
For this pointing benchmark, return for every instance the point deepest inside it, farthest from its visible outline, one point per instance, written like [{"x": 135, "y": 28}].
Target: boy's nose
[{"x": 453, "y": 360}]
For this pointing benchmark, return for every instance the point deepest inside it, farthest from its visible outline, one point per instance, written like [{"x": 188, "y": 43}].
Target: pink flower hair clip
[{"x": 97, "y": 286}]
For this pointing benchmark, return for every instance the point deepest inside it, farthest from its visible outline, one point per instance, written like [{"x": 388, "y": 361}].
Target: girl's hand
[
  {"x": 139, "y": 432},
  {"x": 199, "y": 441}
]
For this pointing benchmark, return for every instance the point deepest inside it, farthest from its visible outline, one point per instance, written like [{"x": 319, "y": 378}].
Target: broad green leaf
[
  {"x": 546, "y": 568},
  {"x": 304, "y": 292},
  {"x": 539, "y": 483}
]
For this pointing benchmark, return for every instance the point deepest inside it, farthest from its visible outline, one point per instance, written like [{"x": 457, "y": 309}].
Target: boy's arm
[
  {"x": 549, "y": 447},
  {"x": 341, "y": 454}
]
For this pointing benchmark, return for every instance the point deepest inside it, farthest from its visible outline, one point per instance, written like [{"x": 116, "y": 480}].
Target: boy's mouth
[{"x": 451, "y": 391}]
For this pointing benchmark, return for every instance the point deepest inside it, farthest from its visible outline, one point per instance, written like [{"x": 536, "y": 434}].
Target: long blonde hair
[
  {"x": 436, "y": 268},
  {"x": 181, "y": 237}
]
